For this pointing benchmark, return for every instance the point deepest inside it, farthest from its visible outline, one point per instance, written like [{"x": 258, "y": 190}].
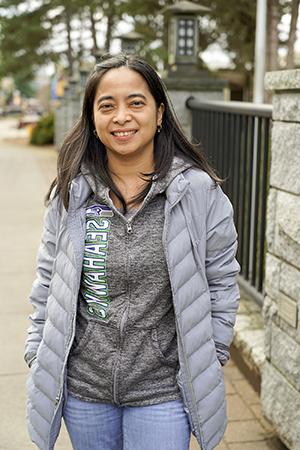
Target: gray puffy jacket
[{"x": 200, "y": 244}]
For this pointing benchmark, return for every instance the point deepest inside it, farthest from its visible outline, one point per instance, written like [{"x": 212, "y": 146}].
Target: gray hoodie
[{"x": 125, "y": 347}]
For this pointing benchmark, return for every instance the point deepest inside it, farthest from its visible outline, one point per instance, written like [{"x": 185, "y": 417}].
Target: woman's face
[{"x": 125, "y": 113}]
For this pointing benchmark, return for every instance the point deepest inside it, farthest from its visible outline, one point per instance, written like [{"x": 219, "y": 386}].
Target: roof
[
  {"x": 132, "y": 35},
  {"x": 185, "y": 6}
]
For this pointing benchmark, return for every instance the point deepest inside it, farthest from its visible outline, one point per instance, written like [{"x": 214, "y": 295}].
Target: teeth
[{"x": 123, "y": 133}]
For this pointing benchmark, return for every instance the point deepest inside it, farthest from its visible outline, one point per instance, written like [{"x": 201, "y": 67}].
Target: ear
[{"x": 160, "y": 113}]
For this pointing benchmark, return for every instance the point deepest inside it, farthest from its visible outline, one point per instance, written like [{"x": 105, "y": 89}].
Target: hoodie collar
[{"x": 174, "y": 184}]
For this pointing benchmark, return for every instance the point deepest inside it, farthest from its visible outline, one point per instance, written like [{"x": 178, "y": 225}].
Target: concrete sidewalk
[{"x": 25, "y": 175}]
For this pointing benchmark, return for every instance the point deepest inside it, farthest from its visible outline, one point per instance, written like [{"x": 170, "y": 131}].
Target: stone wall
[{"x": 280, "y": 389}]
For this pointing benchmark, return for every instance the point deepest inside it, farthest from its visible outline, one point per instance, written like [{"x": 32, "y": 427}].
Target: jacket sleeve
[
  {"x": 39, "y": 292},
  {"x": 221, "y": 269}
]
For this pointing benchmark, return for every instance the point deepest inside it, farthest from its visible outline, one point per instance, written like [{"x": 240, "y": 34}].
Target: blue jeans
[{"x": 101, "y": 426}]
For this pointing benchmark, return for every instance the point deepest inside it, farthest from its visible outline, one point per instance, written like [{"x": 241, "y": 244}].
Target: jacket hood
[{"x": 178, "y": 166}]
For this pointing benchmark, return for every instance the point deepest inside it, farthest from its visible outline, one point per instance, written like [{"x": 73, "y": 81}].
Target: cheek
[
  {"x": 150, "y": 124},
  {"x": 151, "y": 128},
  {"x": 99, "y": 124}
]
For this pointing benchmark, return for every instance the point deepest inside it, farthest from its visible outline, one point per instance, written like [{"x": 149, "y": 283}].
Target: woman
[{"x": 136, "y": 297}]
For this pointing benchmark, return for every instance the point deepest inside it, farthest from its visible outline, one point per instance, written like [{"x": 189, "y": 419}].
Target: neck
[
  {"x": 129, "y": 167},
  {"x": 126, "y": 173}
]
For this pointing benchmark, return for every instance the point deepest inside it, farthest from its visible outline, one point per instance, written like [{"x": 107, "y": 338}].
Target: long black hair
[{"x": 82, "y": 146}]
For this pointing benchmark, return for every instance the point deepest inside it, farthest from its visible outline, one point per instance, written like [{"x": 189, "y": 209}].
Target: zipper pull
[
  {"x": 129, "y": 227},
  {"x": 57, "y": 399}
]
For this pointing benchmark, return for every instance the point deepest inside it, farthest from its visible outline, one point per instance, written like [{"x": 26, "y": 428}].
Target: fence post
[{"x": 280, "y": 389}]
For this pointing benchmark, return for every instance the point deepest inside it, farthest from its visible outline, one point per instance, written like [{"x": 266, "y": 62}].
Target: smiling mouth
[{"x": 123, "y": 133}]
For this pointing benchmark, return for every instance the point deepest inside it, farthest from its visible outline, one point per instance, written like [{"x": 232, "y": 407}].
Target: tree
[
  {"x": 292, "y": 34},
  {"x": 233, "y": 27},
  {"x": 273, "y": 19},
  {"x": 278, "y": 37},
  {"x": 149, "y": 21},
  {"x": 54, "y": 31},
  {"x": 19, "y": 44},
  {"x": 230, "y": 23},
  {"x": 49, "y": 32}
]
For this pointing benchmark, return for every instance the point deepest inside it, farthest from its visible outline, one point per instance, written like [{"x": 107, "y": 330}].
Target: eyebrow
[{"x": 111, "y": 97}]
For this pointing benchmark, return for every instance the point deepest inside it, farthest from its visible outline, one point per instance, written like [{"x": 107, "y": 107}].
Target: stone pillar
[
  {"x": 185, "y": 89},
  {"x": 187, "y": 81},
  {"x": 68, "y": 111},
  {"x": 186, "y": 75},
  {"x": 280, "y": 389}
]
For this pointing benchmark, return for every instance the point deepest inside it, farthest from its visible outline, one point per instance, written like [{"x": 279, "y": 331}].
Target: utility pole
[
  {"x": 260, "y": 50},
  {"x": 259, "y": 75}
]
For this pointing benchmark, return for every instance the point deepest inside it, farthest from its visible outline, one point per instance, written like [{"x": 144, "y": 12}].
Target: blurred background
[{"x": 45, "y": 44}]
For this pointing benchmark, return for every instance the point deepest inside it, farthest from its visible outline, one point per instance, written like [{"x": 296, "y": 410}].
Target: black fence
[{"x": 235, "y": 136}]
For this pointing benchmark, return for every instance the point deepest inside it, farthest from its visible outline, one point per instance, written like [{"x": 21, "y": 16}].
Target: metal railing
[{"x": 235, "y": 136}]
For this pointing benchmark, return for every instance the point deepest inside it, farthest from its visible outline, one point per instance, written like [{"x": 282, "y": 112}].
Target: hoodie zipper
[
  {"x": 129, "y": 231},
  {"x": 129, "y": 226},
  {"x": 128, "y": 222},
  {"x": 115, "y": 382},
  {"x": 122, "y": 326}
]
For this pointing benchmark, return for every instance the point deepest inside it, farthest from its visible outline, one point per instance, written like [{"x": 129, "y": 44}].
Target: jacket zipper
[
  {"x": 63, "y": 372},
  {"x": 181, "y": 387},
  {"x": 58, "y": 397}
]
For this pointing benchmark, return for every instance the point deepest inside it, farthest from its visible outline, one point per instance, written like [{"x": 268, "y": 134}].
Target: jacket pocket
[
  {"x": 217, "y": 362},
  {"x": 164, "y": 343},
  {"x": 81, "y": 339},
  {"x": 33, "y": 364}
]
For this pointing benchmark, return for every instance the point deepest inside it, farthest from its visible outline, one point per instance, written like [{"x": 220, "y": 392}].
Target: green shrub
[{"x": 43, "y": 132}]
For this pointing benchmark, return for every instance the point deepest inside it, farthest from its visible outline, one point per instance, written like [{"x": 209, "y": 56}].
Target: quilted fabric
[{"x": 200, "y": 245}]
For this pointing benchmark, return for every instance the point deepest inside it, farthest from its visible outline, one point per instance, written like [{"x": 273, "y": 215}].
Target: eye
[
  {"x": 137, "y": 103},
  {"x": 105, "y": 106}
]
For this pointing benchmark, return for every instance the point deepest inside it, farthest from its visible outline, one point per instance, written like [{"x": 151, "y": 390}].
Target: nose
[{"x": 122, "y": 115}]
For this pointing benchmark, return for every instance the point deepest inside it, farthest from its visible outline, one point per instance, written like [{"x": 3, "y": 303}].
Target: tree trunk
[
  {"x": 93, "y": 29},
  {"x": 70, "y": 57},
  {"x": 292, "y": 35},
  {"x": 109, "y": 29},
  {"x": 273, "y": 18}
]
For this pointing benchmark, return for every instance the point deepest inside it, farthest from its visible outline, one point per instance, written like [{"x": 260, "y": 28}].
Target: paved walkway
[{"x": 25, "y": 174}]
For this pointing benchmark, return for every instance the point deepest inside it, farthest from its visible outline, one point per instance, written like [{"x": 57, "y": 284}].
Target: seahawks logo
[{"x": 99, "y": 211}]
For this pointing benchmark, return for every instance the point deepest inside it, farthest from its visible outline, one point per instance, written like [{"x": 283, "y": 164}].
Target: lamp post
[
  {"x": 183, "y": 32},
  {"x": 186, "y": 76}
]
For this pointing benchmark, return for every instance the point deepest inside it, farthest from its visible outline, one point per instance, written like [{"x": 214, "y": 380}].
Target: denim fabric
[{"x": 105, "y": 426}]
